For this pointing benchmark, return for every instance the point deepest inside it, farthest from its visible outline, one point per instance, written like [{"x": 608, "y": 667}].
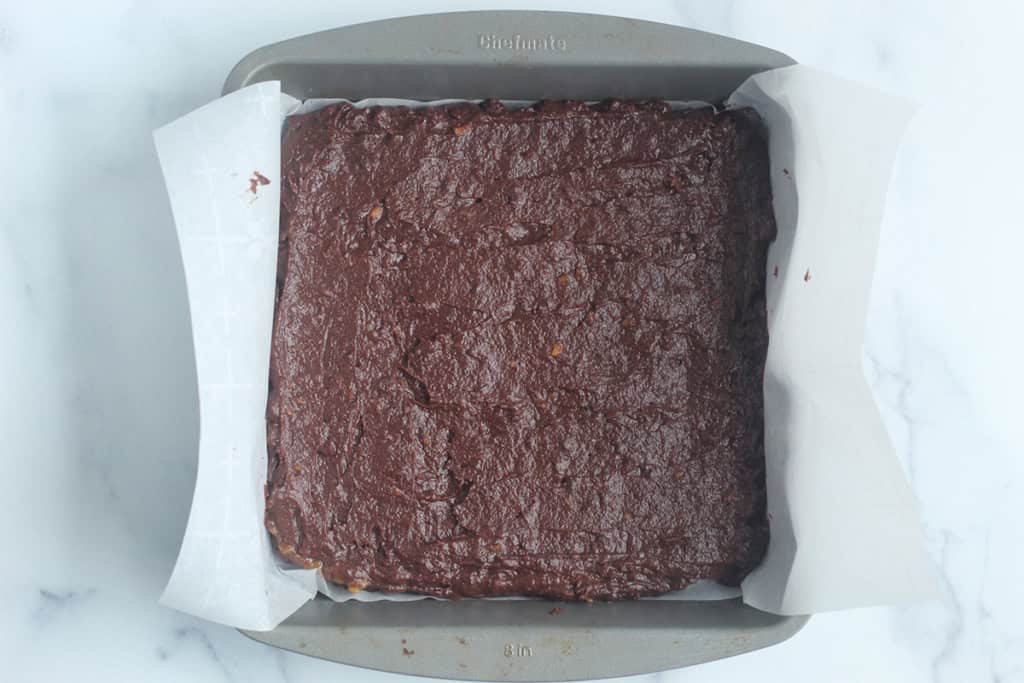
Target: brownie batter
[{"x": 521, "y": 352}]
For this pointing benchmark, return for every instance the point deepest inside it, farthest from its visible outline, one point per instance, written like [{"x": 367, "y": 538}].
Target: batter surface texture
[{"x": 521, "y": 352}]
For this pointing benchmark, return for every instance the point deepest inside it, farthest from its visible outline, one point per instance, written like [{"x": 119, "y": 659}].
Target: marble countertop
[{"x": 100, "y": 424}]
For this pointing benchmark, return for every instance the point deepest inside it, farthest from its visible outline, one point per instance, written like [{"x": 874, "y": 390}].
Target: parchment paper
[{"x": 843, "y": 521}]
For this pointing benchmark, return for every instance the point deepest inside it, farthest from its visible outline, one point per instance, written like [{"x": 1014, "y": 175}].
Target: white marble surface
[{"x": 99, "y": 418}]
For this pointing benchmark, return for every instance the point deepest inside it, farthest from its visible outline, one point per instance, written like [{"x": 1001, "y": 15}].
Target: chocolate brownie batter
[{"x": 521, "y": 352}]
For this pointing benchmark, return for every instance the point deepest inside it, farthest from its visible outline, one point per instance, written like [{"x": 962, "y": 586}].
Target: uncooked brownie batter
[{"x": 521, "y": 352}]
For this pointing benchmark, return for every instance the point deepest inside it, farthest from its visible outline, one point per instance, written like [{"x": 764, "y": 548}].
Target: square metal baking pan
[{"x": 521, "y": 56}]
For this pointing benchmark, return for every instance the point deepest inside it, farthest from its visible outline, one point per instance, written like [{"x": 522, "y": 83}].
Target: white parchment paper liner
[{"x": 843, "y": 521}]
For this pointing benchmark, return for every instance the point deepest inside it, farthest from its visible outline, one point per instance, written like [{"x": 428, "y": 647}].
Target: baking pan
[{"x": 522, "y": 56}]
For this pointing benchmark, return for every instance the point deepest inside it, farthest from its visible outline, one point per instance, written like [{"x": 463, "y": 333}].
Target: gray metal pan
[{"x": 517, "y": 55}]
